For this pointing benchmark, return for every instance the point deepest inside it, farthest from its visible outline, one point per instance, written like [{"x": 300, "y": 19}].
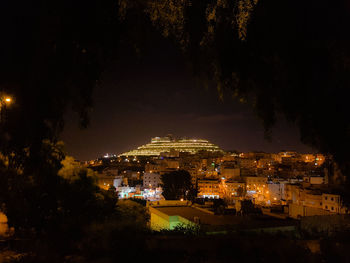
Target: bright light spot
[
  {"x": 8, "y": 99},
  {"x": 181, "y": 199}
]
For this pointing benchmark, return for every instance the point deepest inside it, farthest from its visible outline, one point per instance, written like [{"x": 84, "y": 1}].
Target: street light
[{"x": 4, "y": 101}]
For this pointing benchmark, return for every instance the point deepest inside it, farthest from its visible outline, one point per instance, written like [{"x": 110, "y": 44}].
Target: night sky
[{"x": 155, "y": 94}]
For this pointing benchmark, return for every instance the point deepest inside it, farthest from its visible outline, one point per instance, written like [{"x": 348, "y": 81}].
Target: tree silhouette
[
  {"x": 176, "y": 185},
  {"x": 282, "y": 57},
  {"x": 279, "y": 56}
]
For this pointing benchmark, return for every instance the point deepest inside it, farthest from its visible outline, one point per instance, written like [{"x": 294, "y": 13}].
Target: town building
[
  {"x": 107, "y": 181},
  {"x": 332, "y": 203},
  {"x": 151, "y": 180},
  {"x": 208, "y": 188}
]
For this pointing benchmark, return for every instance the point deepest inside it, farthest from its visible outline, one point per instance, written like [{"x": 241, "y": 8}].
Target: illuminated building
[
  {"x": 160, "y": 145},
  {"x": 151, "y": 180},
  {"x": 3, "y": 225},
  {"x": 208, "y": 188},
  {"x": 332, "y": 203},
  {"x": 230, "y": 172},
  {"x": 256, "y": 188},
  {"x": 168, "y": 215},
  {"x": 153, "y": 194},
  {"x": 105, "y": 182},
  {"x": 126, "y": 191},
  {"x": 108, "y": 178},
  {"x": 162, "y": 166},
  {"x": 312, "y": 202}
]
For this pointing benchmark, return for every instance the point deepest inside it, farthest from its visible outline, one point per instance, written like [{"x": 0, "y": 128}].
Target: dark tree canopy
[
  {"x": 282, "y": 57},
  {"x": 176, "y": 185},
  {"x": 288, "y": 57},
  {"x": 51, "y": 56}
]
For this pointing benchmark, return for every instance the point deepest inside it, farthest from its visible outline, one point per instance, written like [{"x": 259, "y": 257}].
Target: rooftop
[{"x": 217, "y": 221}]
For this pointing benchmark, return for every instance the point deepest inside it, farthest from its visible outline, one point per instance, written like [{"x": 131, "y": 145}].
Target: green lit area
[{"x": 165, "y": 144}]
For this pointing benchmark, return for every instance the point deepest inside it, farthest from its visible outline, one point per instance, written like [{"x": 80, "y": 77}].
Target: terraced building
[{"x": 165, "y": 144}]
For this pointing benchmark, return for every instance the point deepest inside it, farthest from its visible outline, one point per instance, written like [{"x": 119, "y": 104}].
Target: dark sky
[{"x": 155, "y": 95}]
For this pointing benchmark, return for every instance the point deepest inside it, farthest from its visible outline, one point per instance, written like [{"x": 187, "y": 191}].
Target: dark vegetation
[
  {"x": 177, "y": 185},
  {"x": 280, "y": 56}
]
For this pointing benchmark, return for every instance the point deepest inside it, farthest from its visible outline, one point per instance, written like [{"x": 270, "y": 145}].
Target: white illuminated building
[
  {"x": 153, "y": 194},
  {"x": 159, "y": 145},
  {"x": 150, "y": 194}
]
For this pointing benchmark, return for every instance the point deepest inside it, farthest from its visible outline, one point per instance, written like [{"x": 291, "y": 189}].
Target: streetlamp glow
[{"x": 4, "y": 101}]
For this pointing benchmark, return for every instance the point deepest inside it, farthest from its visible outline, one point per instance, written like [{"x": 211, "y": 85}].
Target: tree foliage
[
  {"x": 71, "y": 169},
  {"x": 288, "y": 57},
  {"x": 132, "y": 214},
  {"x": 52, "y": 54},
  {"x": 282, "y": 57},
  {"x": 51, "y": 200},
  {"x": 51, "y": 57},
  {"x": 176, "y": 185}
]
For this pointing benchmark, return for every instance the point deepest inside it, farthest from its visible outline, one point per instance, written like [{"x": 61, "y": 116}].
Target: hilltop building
[{"x": 160, "y": 145}]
